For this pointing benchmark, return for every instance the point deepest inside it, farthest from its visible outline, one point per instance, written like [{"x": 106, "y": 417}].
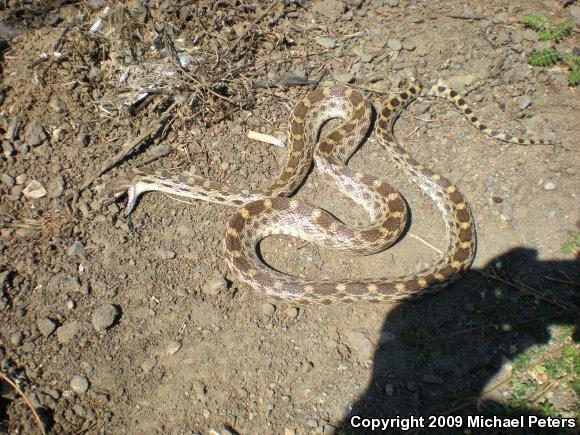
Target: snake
[{"x": 272, "y": 211}]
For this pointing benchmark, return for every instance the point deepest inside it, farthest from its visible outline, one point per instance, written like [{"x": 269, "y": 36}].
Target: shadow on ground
[{"x": 440, "y": 353}]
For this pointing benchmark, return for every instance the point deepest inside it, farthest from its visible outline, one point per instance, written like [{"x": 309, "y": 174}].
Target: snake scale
[{"x": 270, "y": 211}]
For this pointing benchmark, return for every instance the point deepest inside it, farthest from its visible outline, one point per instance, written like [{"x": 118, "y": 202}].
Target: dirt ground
[{"x": 110, "y": 327}]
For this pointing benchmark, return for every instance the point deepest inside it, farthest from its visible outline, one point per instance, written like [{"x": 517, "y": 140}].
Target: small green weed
[
  {"x": 572, "y": 246},
  {"x": 550, "y": 31}
]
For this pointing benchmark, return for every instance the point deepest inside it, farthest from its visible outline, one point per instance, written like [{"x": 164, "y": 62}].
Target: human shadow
[{"x": 441, "y": 353}]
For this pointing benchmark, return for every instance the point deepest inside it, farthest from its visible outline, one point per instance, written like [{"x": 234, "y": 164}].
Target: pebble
[
  {"x": 104, "y": 317},
  {"x": 389, "y": 389},
  {"x": 409, "y": 45},
  {"x": 392, "y": 3},
  {"x": 21, "y": 179},
  {"x": 329, "y": 430},
  {"x": 83, "y": 139},
  {"x": 386, "y": 337},
  {"x": 34, "y": 190},
  {"x": 55, "y": 187},
  {"x": 173, "y": 347},
  {"x": 148, "y": 364},
  {"x": 79, "y": 384},
  {"x": 8, "y": 180},
  {"x": 517, "y": 48},
  {"x": 215, "y": 285},
  {"x": 57, "y": 105},
  {"x": 16, "y": 338},
  {"x": 289, "y": 431},
  {"x": 199, "y": 389},
  {"x": 77, "y": 249},
  {"x": 395, "y": 44},
  {"x": 267, "y": 309},
  {"x": 292, "y": 312},
  {"x": 432, "y": 379},
  {"x": 361, "y": 345},
  {"x": 46, "y": 325},
  {"x": 165, "y": 254},
  {"x": 325, "y": 42},
  {"x": 67, "y": 332},
  {"x": 523, "y": 101},
  {"x": 548, "y": 185},
  {"x": 206, "y": 413},
  {"x": 34, "y": 134},
  {"x": 94, "y": 73}
]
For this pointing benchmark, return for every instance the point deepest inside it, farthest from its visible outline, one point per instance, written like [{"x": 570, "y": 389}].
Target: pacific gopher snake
[{"x": 269, "y": 211}]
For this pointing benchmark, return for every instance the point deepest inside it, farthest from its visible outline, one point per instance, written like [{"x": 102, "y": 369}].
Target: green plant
[
  {"x": 550, "y": 31},
  {"x": 572, "y": 246}
]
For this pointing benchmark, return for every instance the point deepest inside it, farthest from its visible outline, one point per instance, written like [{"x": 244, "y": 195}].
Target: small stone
[
  {"x": 77, "y": 249},
  {"x": 325, "y": 42},
  {"x": 313, "y": 422},
  {"x": 165, "y": 254},
  {"x": 432, "y": 379},
  {"x": 329, "y": 430},
  {"x": 267, "y": 309},
  {"x": 55, "y": 187},
  {"x": 148, "y": 364},
  {"x": 523, "y": 101},
  {"x": 386, "y": 337},
  {"x": 46, "y": 325},
  {"x": 215, "y": 286},
  {"x": 206, "y": 413},
  {"x": 94, "y": 73},
  {"x": 8, "y": 180},
  {"x": 199, "y": 389},
  {"x": 409, "y": 45},
  {"x": 548, "y": 185},
  {"x": 344, "y": 77},
  {"x": 173, "y": 347},
  {"x": 104, "y": 317},
  {"x": 83, "y": 139},
  {"x": 517, "y": 48},
  {"x": 79, "y": 384},
  {"x": 57, "y": 105},
  {"x": 21, "y": 179},
  {"x": 34, "y": 134},
  {"x": 395, "y": 44},
  {"x": 288, "y": 431},
  {"x": 366, "y": 58},
  {"x": 34, "y": 190},
  {"x": 291, "y": 312},
  {"x": 389, "y": 389},
  {"x": 16, "y": 338},
  {"x": 67, "y": 332}
]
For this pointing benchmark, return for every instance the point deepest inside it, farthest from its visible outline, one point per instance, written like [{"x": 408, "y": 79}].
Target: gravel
[
  {"x": 395, "y": 44},
  {"x": 67, "y": 332},
  {"x": 523, "y": 101},
  {"x": 325, "y": 42},
  {"x": 46, "y": 325},
  {"x": 104, "y": 317},
  {"x": 34, "y": 134},
  {"x": 79, "y": 384},
  {"x": 548, "y": 185},
  {"x": 215, "y": 285},
  {"x": 267, "y": 309}
]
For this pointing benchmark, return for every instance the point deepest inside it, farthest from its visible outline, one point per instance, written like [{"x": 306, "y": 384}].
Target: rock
[
  {"x": 461, "y": 81},
  {"x": 291, "y": 312},
  {"x": 389, "y": 389},
  {"x": 8, "y": 180},
  {"x": 21, "y": 179},
  {"x": 346, "y": 77},
  {"x": 199, "y": 389},
  {"x": 432, "y": 379},
  {"x": 77, "y": 249},
  {"x": 360, "y": 344},
  {"x": 94, "y": 73},
  {"x": 395, "y": 44},
  {"x": 104, "y": 317},
  {"x": 387, "y": 337},
  {"x": 312, "y": 423},
  {"x": 46, "y": 325},
  {"x": 530, "y": 35},
  {"x": 575, "y": 12},
  {"x": 34, "y": 134},
  {"x": 67, "y": 332},
  {"x": 79, "y": 384},
  {"x": 149, "y": 364},
  {"x": 55, "y": 187},
  {"x": 267, "y": 309},
  {"x": 57, "y": 105},
  {"x": 173, "y": 347},
  {"x": 409, "y": 45},
  {"x": 517, "y": 48},
  {"x": 288, "y": 431},
  {"x": 328, "y": 430},
  {"x": 3, "y": 280},
  {"x": 392, "y": 3},
  {"x": 366, "y": 58},
  {"x": 523, "y": 101},
  {"x": 325, "y": 42},
  {"x": 548, "y": 185},
  {"x": 16, "y": 338},
  {"x": 83, "y": 139},
  {"x": 165, "y": 254},
  {"x": 215, "y": 286},
  {"x": 34, "y": 190}
]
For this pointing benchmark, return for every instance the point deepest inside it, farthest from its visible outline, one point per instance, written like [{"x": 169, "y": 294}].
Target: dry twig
[{"x": 37, "y": 419}]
